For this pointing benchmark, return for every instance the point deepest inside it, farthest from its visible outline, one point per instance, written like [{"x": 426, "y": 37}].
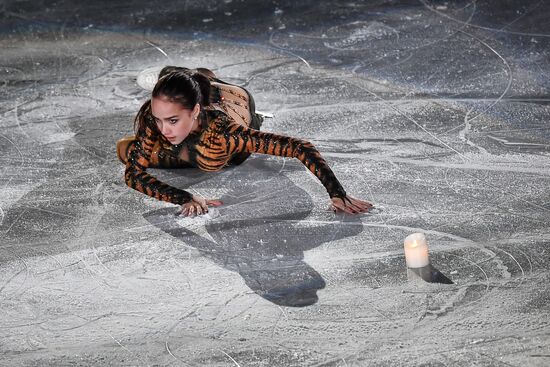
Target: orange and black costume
[{"x": 220, "y": 142}]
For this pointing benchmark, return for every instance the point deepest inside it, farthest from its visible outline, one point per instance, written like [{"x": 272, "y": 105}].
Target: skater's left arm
[{"x": 244, "y": 139}]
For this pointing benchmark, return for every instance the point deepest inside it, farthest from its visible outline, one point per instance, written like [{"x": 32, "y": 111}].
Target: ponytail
[{"x": 204, "y": 85}]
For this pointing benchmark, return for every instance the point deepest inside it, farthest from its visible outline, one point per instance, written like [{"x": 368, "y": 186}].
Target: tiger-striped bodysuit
[{"x": 220, "y": 142}]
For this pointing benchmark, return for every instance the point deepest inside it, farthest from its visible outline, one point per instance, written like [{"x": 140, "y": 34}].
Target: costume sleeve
[
  {"x": 243, "y": 139},
  {"x": 136, "y": 177}
]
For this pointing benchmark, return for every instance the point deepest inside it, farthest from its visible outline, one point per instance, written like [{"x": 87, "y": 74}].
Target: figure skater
[{"x": 194, "y": 119}]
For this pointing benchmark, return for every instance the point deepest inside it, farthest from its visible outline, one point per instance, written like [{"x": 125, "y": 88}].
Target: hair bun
[{"x": 204, "y": 85}]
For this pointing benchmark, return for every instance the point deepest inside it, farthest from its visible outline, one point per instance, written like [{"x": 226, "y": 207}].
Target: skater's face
[{"x": 173, "y": 120}]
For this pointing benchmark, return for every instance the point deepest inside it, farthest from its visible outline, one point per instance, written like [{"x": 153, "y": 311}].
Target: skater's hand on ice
[
  {"x": 349, "y": 205},
  {"x": 198, "y": 206}
]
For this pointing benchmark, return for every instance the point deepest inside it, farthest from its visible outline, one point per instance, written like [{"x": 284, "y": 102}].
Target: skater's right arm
[{"x": 136, "y": 176}]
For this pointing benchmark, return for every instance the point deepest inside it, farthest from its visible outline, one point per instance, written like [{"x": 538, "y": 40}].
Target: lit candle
[{"x": 416, "y": 251}]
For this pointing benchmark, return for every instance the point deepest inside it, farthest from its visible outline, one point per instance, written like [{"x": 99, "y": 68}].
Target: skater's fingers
[
  {"x": 358, "y": 208},
  {"x": 360, "y": 203},
  {"x": 365, "y": 205},
  {"x": 203, "y": 206},
  {"x": 339, "y": 208},
  {"x": 350, "y": 205}
]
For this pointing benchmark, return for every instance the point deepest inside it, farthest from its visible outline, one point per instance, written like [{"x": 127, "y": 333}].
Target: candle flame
[{"x": 414, "y": 244}]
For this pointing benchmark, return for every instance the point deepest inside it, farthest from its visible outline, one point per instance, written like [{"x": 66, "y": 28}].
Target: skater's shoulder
[{"x": 215, "y": 118}]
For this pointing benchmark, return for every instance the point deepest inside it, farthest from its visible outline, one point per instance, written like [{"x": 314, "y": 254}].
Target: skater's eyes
[{"x": 171, "y": 121}]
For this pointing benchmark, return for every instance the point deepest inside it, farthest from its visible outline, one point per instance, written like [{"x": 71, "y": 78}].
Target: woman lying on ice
[{"x": 194, "y": 119}]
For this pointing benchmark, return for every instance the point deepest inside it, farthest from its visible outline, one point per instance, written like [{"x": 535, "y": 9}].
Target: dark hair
[{"x": 179, "y": 84}]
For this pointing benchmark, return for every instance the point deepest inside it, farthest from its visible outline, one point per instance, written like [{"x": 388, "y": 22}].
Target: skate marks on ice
[
  {"x": 501, "y": 289},
  {"x": 480, "y": 72},
  {"x": 254, "y": 233}
]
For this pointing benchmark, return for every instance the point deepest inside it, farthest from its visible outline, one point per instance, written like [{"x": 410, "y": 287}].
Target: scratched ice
[{"x": 436, "y": 111}]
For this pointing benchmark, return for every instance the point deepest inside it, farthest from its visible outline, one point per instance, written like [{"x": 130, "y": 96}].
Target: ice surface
[{"x": 436, "y": 112}]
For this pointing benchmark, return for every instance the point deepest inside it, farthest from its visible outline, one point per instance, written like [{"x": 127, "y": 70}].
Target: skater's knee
[{"x": 122, "y": 147}]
